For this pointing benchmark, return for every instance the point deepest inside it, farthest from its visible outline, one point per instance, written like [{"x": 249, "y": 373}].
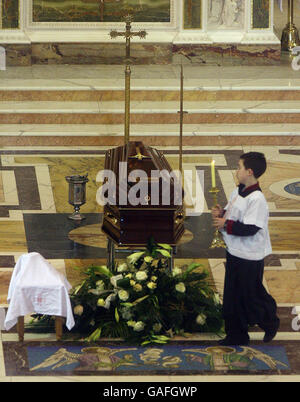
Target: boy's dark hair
[{"x": 255, "y": 161}]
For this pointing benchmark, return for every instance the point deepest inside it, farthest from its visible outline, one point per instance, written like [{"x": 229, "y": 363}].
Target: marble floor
[{"x": 38, "y": 148}]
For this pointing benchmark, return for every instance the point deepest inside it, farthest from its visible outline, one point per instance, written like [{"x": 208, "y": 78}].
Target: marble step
[
  {"x": 150, "y": 94},
  {"x": 150, "y": 107},
  {"x": 144, "y": 130},
  {"x": 146, "y": 112}
]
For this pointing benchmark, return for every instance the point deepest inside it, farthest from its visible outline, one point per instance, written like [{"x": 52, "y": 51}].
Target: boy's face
[{"x": 242, "y": 173}]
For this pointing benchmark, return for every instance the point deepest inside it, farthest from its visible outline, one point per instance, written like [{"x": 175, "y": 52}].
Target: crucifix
[{"x": 128, "y": 34}]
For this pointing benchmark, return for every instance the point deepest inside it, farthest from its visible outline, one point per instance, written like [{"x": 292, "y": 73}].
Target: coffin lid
[{"x": 141, "y": 157}]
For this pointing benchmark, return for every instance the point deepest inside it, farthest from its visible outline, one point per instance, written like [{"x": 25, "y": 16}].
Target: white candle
[{"x": 213, "y": 174}]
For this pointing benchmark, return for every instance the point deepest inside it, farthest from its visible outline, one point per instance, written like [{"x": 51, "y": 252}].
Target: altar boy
[{"x": 244, "y": 225}]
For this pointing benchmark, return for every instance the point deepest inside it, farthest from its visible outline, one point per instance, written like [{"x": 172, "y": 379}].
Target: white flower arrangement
[{"x": 142, "y": 301}]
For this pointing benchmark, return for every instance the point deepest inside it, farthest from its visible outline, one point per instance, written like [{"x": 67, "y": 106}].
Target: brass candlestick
[
  {"x": 290, "y": 34},
  {"x": 217, "y": 241}
]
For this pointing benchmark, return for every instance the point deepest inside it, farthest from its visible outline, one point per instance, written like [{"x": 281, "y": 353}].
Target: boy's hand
[
  {"x": 219, "y": 222},
  {"x": 216, "y": 211}
]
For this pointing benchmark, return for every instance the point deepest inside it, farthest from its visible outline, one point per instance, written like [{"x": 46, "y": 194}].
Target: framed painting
[
  {"x": 9, "y": 14},
  {"x": 94, "y": 11},
  {"x": 192, "y": 14},
  {"x": 261, "y": 14}
]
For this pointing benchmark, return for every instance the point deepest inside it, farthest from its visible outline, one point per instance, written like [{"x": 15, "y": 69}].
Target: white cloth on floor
[{"x": 36, "y": 286}]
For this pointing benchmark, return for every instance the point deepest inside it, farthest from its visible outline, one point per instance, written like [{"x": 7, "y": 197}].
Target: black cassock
[{"x": 245, "y": 300}]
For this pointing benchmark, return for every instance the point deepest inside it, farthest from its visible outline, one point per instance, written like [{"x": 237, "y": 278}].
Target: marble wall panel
[
  {"x": 142, "y": 54},
  {"x": 17, "y": 54},
  {"x": 227, "y": 54},
  {"x": 100, "y": 53}
]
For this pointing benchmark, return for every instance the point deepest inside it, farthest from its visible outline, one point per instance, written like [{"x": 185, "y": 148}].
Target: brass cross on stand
[{"x": 128, "y": 34}]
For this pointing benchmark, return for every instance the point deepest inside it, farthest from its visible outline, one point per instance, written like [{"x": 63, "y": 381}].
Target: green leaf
[
  {"x": 95, "y": 335},
  {"x": 132, "y": 258},
  {"x": 79, "y": 287},
  {"x": 127, "y": 304},
  {"x": 191, "y": 268},
  {"x": 166, "y": 246},
  {"x": 145, "y": 343},
  {"x": 102, "y": 269},
  {"x": 163, "y": 338},
  {"x": 165, "y": 253},
  {"x": 117, "y": 317},
  {"x": 139, "y": 300}
]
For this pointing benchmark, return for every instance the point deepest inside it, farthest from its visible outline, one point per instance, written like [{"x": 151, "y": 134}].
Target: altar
[{"x": 218, "y": 32}]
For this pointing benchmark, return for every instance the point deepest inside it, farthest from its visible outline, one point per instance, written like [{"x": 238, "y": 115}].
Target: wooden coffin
[{"x": 133, "y": 225}]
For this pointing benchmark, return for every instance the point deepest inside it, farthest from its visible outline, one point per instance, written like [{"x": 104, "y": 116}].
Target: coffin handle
[{"x": 111, "y": 218}]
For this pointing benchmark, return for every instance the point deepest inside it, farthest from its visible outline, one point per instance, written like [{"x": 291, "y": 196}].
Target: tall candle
[{"x": 213, "y": 174}]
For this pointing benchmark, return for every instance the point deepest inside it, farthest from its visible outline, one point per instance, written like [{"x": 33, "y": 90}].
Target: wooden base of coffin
[{"x": 142, "y": 225}]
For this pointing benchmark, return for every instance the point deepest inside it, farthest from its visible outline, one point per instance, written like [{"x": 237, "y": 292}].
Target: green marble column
[
  {"x": 261, "y": 12},
  {"x": 10, "y": 14}
]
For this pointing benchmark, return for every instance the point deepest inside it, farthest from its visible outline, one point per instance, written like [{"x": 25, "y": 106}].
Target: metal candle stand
[{"x": 217, "y": 241}]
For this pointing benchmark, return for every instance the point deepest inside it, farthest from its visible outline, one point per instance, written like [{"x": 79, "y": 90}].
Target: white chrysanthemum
[
  {"x": 141, "y": 275},
  {"x": 157, "y": 327},
  {"x": 180, "y": 287},
  {"x": 126, "y": 314},
  {"x": 78, "y": 310},
  {"x": 122, "y": 268},
  {"x": 201, "y": 319},
  {"x": 139, "y": 326},
  {"x": 137, "y": 287},
  {"x": 123, "y": 295},
  {"x": 151, "y": 285},
  {"x": 100, "y": 284},
  {"x": 176, "y": 271}
]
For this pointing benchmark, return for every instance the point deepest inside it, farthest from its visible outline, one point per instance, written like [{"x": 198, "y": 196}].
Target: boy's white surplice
[
  {"x": 36, "y": 286},
  {"x": 250, "y": 210}
]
